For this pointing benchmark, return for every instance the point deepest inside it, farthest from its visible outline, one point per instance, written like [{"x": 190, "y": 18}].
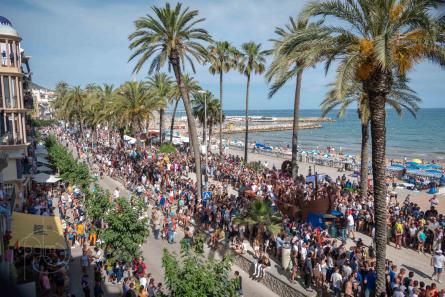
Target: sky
[{"x": 85, "y": 41}]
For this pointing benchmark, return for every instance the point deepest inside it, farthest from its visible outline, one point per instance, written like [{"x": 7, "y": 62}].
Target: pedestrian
[
  {"x": 85, "y": 282},
  {"x": 125, "y": 286},
  {"x": 437, "y": 262},
  {"x": 142, "y": 291},
  {"x": 130, "y": 292},
  {"x": 308, "y": 271},
  {"x": 84, "y": 261},
  {"x": 238, "y": 284},
  {"x": 98, "y": 291},
  {"x": 336, "y": 281}
]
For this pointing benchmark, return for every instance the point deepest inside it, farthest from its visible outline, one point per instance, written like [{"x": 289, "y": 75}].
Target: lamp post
[{"x": 205, "y": 138}]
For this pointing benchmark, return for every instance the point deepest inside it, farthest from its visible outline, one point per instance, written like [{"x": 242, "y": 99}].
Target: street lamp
[{"x": 205, "y": 138}]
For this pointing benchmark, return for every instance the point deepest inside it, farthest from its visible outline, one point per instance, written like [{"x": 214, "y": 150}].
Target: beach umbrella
[
  {"x": 435, "y": 166},
  {"x": 433, "y": 171},
  {"x": 418, "y": 161},
  {"x": 412, "y": 165}
]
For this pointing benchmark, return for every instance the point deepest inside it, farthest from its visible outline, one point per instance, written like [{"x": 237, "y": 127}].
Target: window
[
  {"x": 7, "y": 92},
  {"x": 13, "y": 93}
]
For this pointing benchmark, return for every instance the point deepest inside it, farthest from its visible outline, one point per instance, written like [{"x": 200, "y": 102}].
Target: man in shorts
[{"x": 437, "y": 262}]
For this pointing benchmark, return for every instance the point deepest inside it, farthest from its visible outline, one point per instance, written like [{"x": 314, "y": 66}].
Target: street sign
[{"x": 206, "y": 195}]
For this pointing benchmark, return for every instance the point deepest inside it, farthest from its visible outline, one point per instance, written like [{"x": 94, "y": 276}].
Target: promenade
[
  {"x": 409, "y": 259},
  {"x": 152, "y": 251}
]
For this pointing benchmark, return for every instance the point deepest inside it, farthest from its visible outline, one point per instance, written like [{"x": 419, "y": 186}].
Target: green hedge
[
  {"x": 167, "y": 148},
  {"x": 69, "y": 169}
]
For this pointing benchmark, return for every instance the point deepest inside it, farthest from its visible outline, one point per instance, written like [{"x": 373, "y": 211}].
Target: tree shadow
[{"x": 417, "y": 271}]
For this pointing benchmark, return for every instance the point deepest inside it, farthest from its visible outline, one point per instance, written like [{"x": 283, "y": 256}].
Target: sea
[{"x": 422, "y": 137}]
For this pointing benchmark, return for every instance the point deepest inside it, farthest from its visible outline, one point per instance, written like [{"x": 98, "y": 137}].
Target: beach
[{"x": 420, "y": 198}]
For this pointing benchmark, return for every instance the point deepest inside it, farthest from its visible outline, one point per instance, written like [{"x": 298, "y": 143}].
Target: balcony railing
[
  {"x": 11, "y": 102},
  {"x": 8, "y": 139}
]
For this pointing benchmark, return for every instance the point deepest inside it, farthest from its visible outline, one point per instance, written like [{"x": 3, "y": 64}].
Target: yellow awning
[{"x": 36, "y": 231}]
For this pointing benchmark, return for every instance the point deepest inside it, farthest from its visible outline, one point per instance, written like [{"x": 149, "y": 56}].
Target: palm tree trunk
[
  {"x": 173, "y": 120},
  {"x": 221, "y": 157},
  {"x": 80, "y": 126},
  {"x": 376, "y": 90},
  {"x": 364, "y": 160},
  {"x": 294, "y": 160},
  {"x": 193, "y": 135},
  {"x": 246, "y": 135},
  {"x": 161, "y": 123}
]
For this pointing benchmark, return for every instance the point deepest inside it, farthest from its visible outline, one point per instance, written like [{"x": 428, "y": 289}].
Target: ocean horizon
[{"x": 420, "y": 137}]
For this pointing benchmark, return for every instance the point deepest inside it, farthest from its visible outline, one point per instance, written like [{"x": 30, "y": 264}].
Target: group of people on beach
[{"x": 318, "y": 257}]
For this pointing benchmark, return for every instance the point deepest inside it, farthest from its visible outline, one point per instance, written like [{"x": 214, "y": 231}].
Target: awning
[
  {"x": 43, "y": 178},
  {"x": 44, "y": 169},
  {"x": 36, "y": 231},
  {"x": 129, "y": 139}
]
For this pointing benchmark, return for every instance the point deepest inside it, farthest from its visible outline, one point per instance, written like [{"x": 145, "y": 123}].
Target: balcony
[{"x": 8, "y": 139}]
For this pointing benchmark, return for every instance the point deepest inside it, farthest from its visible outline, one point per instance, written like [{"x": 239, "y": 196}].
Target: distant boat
[{"x": 237, "y": 143}]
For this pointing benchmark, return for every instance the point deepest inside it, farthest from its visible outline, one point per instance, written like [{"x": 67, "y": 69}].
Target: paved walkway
[{"x": 152, "y": 251}]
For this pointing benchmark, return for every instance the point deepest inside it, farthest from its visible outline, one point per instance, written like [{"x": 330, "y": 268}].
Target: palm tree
[
  {"x": 223, "y": 58},
  {"x": 200, "y": 102},
  {"x": 260, "y": 214},
  {"x": 252, "y": 60},
  {"x": 283, "y": 68},
  {"x": 132, "y": 105},
  {"x": 74, "y": 104},
  {"x": 192, "y": 86},
  {"x": 99, "y": 99},
  {"x": 171, "y": 35},
  {"x": 61, "y": 92},
  {"x": 400, "y": 96},
  {"x": 161, "y": 85},
  {"x": 372, "y": 41}
]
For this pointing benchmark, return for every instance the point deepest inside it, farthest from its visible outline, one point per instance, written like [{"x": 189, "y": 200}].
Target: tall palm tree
[
  {"x": 372, "y": 41},
  {"x": 283, "y": 68},
  {"x": 223, "y": 58},
  {"x": 74, "y": 105},
  {"x": 171, "y": 35},
  {"x": 61, "y": 92},
  {"x": 99, "y": 98},
  {"x": 400, "y": 96},
  {"x": 161, "y": 85},
  {"x": 192, "y": 86},
  {"x": 132, "y": 105},
  {"x": 252, "y": 61},
  {"x": 204, "y": 104}
]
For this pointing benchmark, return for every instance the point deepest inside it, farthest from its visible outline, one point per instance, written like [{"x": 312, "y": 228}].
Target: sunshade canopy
[
  {"x": 43, "y": 178},
  {"x": 37, "y": 231}
]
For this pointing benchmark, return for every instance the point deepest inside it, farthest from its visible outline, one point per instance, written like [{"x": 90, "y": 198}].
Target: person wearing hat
[{"x": 437, "y": 262}]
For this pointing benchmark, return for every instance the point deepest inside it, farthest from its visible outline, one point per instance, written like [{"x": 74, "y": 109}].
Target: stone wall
[{"x": 276, "y": 285}]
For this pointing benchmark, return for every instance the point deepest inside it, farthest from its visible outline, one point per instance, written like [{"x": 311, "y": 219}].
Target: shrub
[{"x": 167, "y": 148}]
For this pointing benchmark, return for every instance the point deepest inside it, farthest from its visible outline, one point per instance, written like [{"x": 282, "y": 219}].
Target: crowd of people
[{"x": 318, "y": 257}]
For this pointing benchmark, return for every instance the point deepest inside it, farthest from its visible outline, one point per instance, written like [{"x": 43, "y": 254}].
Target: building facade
[
  {"x": 16, "y": 103},
  {"x": 43, "y": 99}
]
